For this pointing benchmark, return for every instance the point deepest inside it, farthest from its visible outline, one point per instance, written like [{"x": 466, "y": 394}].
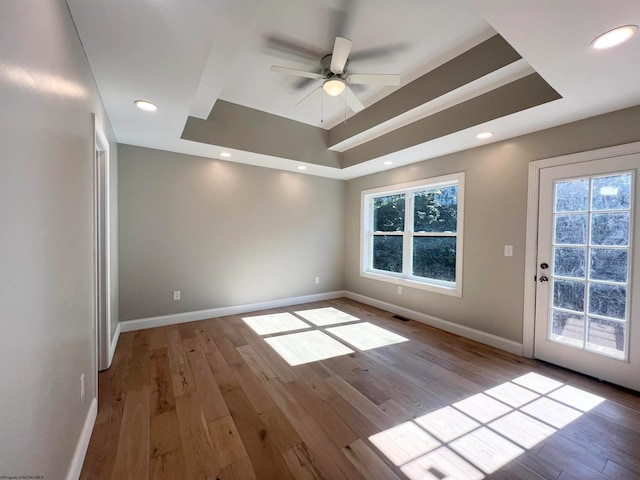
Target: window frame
[{"x": 406, "y": 278}]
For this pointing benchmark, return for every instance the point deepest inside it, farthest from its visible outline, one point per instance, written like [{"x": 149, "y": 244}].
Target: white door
[{"x": 588, "y": 295}]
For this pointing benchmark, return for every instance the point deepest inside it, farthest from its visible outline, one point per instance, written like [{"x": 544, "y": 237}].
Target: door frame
[
  {"x": 531, "y": 242},
  {"x": 102, "y": 248}
]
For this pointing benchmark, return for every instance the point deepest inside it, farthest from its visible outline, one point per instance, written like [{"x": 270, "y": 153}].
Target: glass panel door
[
  {"x": 590, "y": 258},
  {"x": 586, "y": 285}
]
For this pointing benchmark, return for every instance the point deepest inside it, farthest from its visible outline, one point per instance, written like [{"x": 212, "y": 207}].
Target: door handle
[{"x": 544, "y": 279}]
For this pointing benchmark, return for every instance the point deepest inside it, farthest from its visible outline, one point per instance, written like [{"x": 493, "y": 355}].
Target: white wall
[
  {"x": 223, "y": 234},
  {"x": 47, "y": 97}
]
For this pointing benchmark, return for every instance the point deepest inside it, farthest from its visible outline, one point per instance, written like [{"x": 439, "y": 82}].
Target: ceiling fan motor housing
[{"x": 325, "y": 65}]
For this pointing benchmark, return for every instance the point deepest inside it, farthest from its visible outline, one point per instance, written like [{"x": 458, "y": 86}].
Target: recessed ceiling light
[
  {"x": 484, "y": 135},
  {"x": 225, "y": 154},
  {"x": 388, "y": 162},
  {"x": 614, "y": 37},
  {"x": 147, "y": 106},
  {"x": 301, "y": 167}
]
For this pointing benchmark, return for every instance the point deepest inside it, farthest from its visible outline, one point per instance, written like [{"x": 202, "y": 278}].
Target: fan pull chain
[{"x": 322, "y": 106}]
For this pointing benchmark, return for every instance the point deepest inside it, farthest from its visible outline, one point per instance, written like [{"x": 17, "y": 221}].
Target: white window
[{"x": 412, "y": 234}]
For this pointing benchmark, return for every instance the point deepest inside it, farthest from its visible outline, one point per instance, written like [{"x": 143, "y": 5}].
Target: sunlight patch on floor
[
  {"x": 482, "y": 408},
  {"x": 404, "y": 442},
  {"x": 441, "y": 464},
  {"x": 447, "y": 423},
  {"x": 305, "y": 347},
  {"x": 481, "y": 434},
  {"x": 322, "y": 317},
  {"x": 274, "y": 323},
  {"x": 576, "y": 398},
  {"x": 537, "y": 383},
  {"x": 365, "y": 336},
  {"x": 486, "y": 449}
]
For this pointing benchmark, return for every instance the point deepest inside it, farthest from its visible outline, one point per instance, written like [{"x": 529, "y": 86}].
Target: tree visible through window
[{"x": 412, "y": 233}]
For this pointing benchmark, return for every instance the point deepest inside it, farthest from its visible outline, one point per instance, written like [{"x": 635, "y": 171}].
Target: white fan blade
[
  {"x": 340, "y": 55},
  {"x": 309, "y": 96},
  {"x": 297, "y": 73},
  {"x": 353, "y": 102},
  {"x": 374, "y": 79}
]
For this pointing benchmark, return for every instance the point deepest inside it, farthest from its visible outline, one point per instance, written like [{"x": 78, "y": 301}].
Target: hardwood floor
[{"x": 213, "y": 400}]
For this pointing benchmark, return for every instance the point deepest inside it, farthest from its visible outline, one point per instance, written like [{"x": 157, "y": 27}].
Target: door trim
[
  {"x": 531, "y": 242},
  {"x": 102, "y": 238}
]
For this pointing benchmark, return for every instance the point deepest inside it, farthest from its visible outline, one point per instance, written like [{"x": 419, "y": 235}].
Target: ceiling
[{"x": 205, "y": 63}]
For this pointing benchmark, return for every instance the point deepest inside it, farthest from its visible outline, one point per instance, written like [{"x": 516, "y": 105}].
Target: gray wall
[
  {"x": 47, "y": 96},
  {"x": 495, "y": 215},
  {"x": 222, "y": 233}
]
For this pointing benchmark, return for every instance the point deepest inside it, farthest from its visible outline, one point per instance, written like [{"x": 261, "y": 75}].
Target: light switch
[{"x": 508, "y": 250}]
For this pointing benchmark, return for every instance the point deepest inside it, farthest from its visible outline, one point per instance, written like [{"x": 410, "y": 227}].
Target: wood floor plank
[
  {"x": 283, "y": 435},
  {"x": 339, "y": 432},
  {"x": 197, "y": 448},
  {"x": 217, "y": 364},
  {"x": 368, "y": 462},
  {"x": 302, "y": 464},
  {"x": 212, "y": 400},
  {"x": 101, "y": 453},
  {"x": 181, "y": 375},
  {"x": 257, "y": 437},
  {"x": 168, "y": 466},
  {"x": 379, "y": 418},
  {"x": 239, "y": 470},
  {"x": 257, "y": 364},
  {"x": 319, "y": 443},
  {"x": 164, "y": 433},
  {"x": 253, "y": 387},
  {"x": 162, "y": 398},
  {"x": 226, "y": 441},
  {"x": 132, "y": 459}
]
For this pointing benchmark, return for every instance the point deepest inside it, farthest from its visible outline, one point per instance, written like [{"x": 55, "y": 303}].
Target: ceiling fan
[{"x": 335, "y": 78}]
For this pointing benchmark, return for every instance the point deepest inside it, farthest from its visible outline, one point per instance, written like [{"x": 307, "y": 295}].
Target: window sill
[{"x": 454, "y": 291}]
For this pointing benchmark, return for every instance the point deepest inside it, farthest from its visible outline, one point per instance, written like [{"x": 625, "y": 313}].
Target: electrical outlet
[
  {"x": 399, "y": 290},
  {"x": 317, "y": 280},
  {"x": 176, "y": 295},
  {"x": 82, "y": 387},
  {"x": 508, "y": 250}
]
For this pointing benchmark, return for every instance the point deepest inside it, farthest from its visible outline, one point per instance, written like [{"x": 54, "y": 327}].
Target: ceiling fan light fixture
[
  {"x": 614, "y": 37},
  {"x": 333, "y": 86}
]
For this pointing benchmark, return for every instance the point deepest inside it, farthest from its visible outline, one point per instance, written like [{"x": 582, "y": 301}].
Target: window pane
[
  {"x": 572, "y": 196},
  {"x": 608, "y": 264},
  {"x": 569, "y": 295},
  {"x": 387, "y": 253},
  {"x": 388, "y": 213},
  {"x": 607, "y": 300},
  {"x": 435, "y": 257},
  {"x": 571, "y": 230},
  {"x": 568, "y": 328},
  {"x": 610, "y": 229},
  {"x": 569, "y": 262},
  {"x": 611, "y": 193},
  {"x": 606, "y": 335},
  {"x": 436, "y": 210}
]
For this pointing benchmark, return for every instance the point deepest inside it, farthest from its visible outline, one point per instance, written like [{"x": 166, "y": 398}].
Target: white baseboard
[
  {"x": 163, "y": 320},
  {"x": 83, "y": 442},
  {"x": 472, "y": 333},
  {"x": 114, "y": 343},
  {"x": 467, "y": 332}
]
